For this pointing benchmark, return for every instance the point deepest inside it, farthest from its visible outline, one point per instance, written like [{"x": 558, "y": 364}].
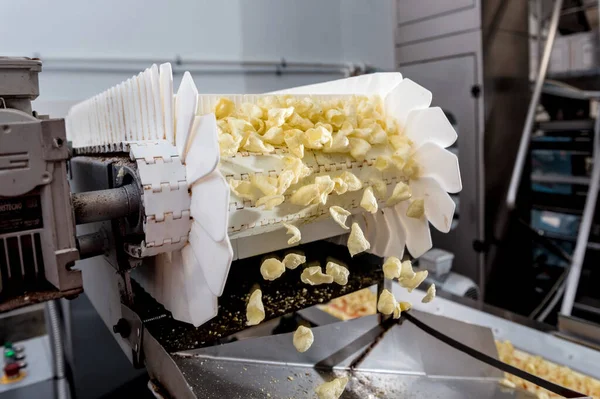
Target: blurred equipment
[{"x": 439, "y": 264}]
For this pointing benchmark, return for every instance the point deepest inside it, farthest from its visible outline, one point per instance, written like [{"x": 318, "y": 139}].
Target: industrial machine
[{"x": 169, "y": 259}]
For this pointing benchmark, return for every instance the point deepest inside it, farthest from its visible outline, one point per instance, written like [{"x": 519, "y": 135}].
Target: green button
[
  {"x": 8, "y": 345},
  {"x": 9, "y": 353}
]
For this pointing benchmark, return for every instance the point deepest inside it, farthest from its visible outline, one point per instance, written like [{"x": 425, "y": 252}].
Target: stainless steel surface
[
  {"x": 584, "y": 229},
  {"x": 101, "y": 205},
  {"x": 581, "y": 330},
  {"x": 404, "y": 364},
  {"x": 515, "y": 179}
]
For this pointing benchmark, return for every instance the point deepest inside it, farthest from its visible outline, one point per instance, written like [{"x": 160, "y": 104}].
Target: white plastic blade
[
  {"x": 166, "y": 99},
  {"x": 380, "y": 240},
  {"x": 430, "y": 125},
  {"x": 439, "y": 206},
  {"x": 418, "y": 235},
  {"x": 202, "y": 154},
  {"x": 158, "y": 112},
  {"x": 214, "y": 257},
  {"x": 209, "y": 205},
  {"x": 143, "y": 106},
  {"x": 397, "y": 240},
  {"x": 185, "y": 110},
  {"x": 137, "y": 101},
  {"x": 441, "y": 164},
  {"x": 407, "y": 96},
  {"x": 374, "y": 83},
  {"x": 203, "y": 304}
]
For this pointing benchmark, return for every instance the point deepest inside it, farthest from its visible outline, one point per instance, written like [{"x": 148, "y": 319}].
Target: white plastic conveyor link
[{"x": 166, "y": 200}]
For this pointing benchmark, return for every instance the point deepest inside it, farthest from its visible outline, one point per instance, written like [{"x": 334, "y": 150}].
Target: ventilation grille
[
  {"x": 472, "y": 293},
  {"x": 21, "y": 260}
]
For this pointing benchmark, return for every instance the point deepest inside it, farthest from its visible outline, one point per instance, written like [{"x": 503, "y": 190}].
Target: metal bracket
[{"x": 131, "y": 329}]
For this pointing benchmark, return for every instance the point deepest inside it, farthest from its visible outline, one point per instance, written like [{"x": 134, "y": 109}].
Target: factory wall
[{"x": 74, "y": 37}]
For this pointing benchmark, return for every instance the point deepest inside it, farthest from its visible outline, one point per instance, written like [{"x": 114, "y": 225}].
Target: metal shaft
[
  {"x": 102, "y": 205},
  {"x": 517, "y": 173},
  {"x": 91, "y": 245}
]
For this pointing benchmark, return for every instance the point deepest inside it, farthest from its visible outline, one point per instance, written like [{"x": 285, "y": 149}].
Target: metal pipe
[
  {"x": 56, "y": 341},
  {"x": 102, "y": 205},
  {"x": 515, "y": 179},
  {"x": 91, "y": 245},
  {"x": 584, "y": 228}
]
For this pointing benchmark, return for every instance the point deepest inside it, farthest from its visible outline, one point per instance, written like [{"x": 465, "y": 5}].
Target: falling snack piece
[
  {"x": 338, "y": 272},
  {"x": 406, "y": 270},
  {"x": 272, "y": 269},
  {"x": 303, "y": 339},
  {"x": 379, "y": 185},
  {"x": 313, "y": 275},
  {"x": 412, "y": 283},
  {"x": 294, "y": 231},
  {"x": 368, "y": 201},
  {"x": 353, "y": 182},
  {"x": 270, "y": 201},
  {"x": 387, "y": 303},
  {"x": 392, "y": 268},
  {"x": 340, "y": 215},
  {"x": 430, "y": 294},
  {"x": 357, "y": 242},
  {"x": 340, "y": 186},
  {"x": 332, "y": 389},
  {"x": 397, "y": 311},
  {"x": 255, "y": 311},
  {"x": 404, "y": 306},
  {"x": 306, "y": 195},
  {"x": 401, "y": 193},
  {"x": 292, "y": 260},
  {"x": 416, "y": 209},
  {"x": 326, "y": 186}
]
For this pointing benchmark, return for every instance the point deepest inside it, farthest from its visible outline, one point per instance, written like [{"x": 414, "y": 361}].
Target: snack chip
[
  {"x": 266, "y": 184},
  {"x": 368, "y": 201},
  {"x": 255, "y": 311},
  {"x": 353, "y": 182},
  {"x": 332, "y": 389},
  {"x": 359, "y": 148},
  {"x": 326, "y": 186},
  {"x": 270, "y": 201},
  {"x": 294, "y": 231},
  {"x": 338, "y": 272},
  {"x": 271, "y": 269},
  {"x": 379, "y": 185},
  {"x": 391, "y": 268},
  {"x": 357, "y": 242},
  {"x": 340, "y": 186},
  {"x": 406, "y": 270},
  {"x": 228, "y": 145},
  {"x": 416, "y": 209},
  {"x": 412, "y": 283},
  {"x": 382, "y": 162},
  {"x": 242, "y": 188},
  {"x": 430, "y": 294},
  {"x": 274, "y": 136},
  {"x": 401, "y": 193},
  {"x": 314, "y": 276},
  {"x": 339, "y": 215},
  {"x": 293, "y": 260},
  {"x": 224, "y": 108},
  {"x": 387, "y": 303},
  {"x": 306, "y": 195},
  {"x": 298, "y": 167},
  {"x": 303, "y": 339},
  {"x": 255, "y": 143}
]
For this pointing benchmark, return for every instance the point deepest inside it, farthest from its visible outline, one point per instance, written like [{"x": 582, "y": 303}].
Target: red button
[{"x": 12, "y": 370}]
